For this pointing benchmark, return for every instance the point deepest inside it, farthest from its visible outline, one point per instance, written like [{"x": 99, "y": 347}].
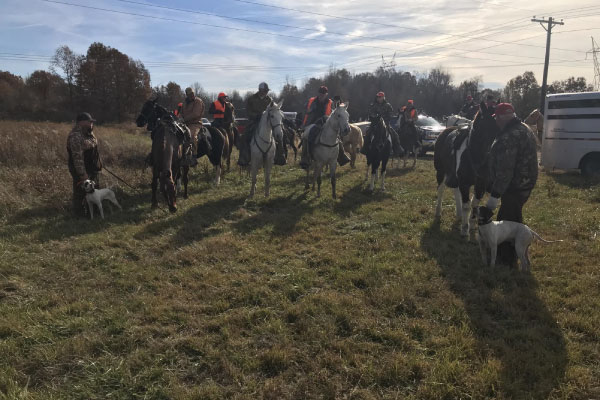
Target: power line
[
  {"x": 252, "y": 31},
  {"x": 370, "y": 22}
]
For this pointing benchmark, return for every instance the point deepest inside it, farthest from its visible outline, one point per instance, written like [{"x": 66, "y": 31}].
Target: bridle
[
  {"x": 337, "y": 132},
  {"x": 270, "y": 142}
]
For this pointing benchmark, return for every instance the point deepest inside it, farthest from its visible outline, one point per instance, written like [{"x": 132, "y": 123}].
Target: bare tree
[{"x": 66, "y": 60}]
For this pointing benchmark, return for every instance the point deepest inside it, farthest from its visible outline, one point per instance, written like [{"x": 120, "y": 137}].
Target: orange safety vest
[
  {"x": 220, "y": 110},
  {"x": 310, "y": 101},
  {"x": 178, "y": 110}
]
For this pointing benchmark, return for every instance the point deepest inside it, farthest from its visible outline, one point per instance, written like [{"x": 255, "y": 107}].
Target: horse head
[
  {"x": 483, "y": 133},
  {"x": 341, "y": 119},
  {"x": 146, "y": 113},
  {"x": 274, "y": 117}
]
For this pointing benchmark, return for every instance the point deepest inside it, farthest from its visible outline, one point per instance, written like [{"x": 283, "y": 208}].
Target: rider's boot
[
  {"x": 304, "y": 158},
  {"x": 244, "y": 158},
  {"x": 280, "y": 158},
  {"x": 343, "y": 158}
]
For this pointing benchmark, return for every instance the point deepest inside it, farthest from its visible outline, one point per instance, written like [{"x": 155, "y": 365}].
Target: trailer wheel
[{"x": 590, "y": 166}]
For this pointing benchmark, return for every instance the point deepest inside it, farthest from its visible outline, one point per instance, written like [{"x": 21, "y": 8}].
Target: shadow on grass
[
  {"x": 282, "y": 213},
  {"x": 574, "y": 179},
  {"x": 194, "y": 223},
  {"x": 506, "y": 316},
  {"x": 356, "y": 196},
  {"x": 48, "y": 223}
]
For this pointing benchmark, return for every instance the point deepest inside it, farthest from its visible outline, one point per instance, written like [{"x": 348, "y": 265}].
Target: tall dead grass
[{"x": 33, "y": 162}]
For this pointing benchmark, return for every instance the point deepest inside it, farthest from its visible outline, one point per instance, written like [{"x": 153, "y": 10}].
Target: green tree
[{"x": 523, "y": 92}]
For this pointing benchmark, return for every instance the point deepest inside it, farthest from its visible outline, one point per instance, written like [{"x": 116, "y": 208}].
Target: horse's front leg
[
  {"x": 383, "y": 169},
  {"x": 253, "y": 173},
  {"x": 154, "y": 185},
  {"x": 267, "y": 167},
  {"x": 374, "y": 167},
  {"x": 307, "y": 181},
  {"x": 317, "y": 177},
  {"x": 466, "y": 205},
  {"x": 218, "y": 169},
  {"x": 185, "y": 179},
  {"x": 332, "y": 167}
]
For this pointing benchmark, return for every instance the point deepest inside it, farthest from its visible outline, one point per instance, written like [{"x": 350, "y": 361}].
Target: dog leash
[{"x": 125, "y": 182}]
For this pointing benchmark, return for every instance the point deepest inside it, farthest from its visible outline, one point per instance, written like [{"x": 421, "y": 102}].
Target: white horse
[
  {"x": 326, "y": 147},
  {"x": 456, "y": 120},
  {"x": 262, "y": 147}
]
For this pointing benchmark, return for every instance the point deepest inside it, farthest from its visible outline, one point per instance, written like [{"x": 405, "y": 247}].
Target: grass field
[{"x": 291, "y": 297}]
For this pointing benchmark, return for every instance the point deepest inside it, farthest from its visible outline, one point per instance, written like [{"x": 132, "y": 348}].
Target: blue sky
[{"x": 493, "y": 39}]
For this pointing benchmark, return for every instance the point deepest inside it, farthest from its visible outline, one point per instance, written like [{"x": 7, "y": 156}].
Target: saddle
[{"x": 460, "y": 137}]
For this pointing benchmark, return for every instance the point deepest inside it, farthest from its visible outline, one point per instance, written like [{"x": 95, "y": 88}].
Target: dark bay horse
[
  {"x": 168, "y": 138},
  {"x": 379, "y": 151},
  {"x": 461, "y": 161}
]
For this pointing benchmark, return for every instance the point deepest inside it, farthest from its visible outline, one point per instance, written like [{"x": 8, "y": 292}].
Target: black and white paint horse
[
  {"x": 379, "y": 151},
  {"x": 461, "y": 161}
]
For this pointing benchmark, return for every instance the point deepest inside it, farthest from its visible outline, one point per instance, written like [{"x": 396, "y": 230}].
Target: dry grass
[{"x": 292, "y": 297}]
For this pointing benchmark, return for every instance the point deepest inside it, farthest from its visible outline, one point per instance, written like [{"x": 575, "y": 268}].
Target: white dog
[
  {"x": 492, "y": 233},
  {"x": 95, "y": 196}
]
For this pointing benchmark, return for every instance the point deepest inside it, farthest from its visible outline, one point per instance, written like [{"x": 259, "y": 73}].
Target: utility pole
[
  {"x": 595, "y": 50},
  {"x": 550, "y": 22}
]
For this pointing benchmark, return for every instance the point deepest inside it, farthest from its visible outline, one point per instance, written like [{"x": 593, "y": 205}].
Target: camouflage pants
[{"x": 511, "y": 209}]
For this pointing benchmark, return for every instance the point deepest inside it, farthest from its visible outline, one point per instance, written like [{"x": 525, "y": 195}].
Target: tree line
[{"x": 113, "y": 86}]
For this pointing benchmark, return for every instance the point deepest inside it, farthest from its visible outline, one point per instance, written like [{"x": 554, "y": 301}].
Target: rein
[{"x": 270, "y": 142}]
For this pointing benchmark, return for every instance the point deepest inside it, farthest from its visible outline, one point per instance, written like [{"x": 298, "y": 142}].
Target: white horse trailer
[{"x": 571, "y": 137}]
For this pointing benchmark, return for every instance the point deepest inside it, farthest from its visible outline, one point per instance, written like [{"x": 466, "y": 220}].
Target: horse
[
  {"x": 461, "y": 161},
  {"x": 326, "y": 147},
  {"x": 379, "y": 151},
  {"x": 167, "y": 151},
  {"x": 228, "y": 130},
  {"x": 290, "y": 136},
  {"x": 456, "y": 120},
  {"x": 409, "y": 141},
  {"x": 262, "y": 145},
  {"x": 353, "y": 142},
  {"x": 535, "y": 120},
  {"x": 213, "y": 144}
]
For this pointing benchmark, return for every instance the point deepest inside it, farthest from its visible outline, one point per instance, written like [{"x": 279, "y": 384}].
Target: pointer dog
[
  {"x": 95, "y": 196},
  {"x": 492, "y": 233}
]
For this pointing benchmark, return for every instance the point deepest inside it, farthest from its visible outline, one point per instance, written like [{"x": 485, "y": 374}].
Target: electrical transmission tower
[
  {"x": 388, "y": 66},
  {"x": 595, "y": 50},
  {"x": 550, "y": 22}
]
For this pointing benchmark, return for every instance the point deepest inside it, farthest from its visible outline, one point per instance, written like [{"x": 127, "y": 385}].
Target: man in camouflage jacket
[
  {"x": 513, "y": 172},
  {"x": 255, "y": 106},
  {"x": 380, "y": 107},
  {"x": 84, "y": 159}
]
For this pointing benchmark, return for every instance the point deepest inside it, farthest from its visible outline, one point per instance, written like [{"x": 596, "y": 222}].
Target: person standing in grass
[
  {"x": 513, "y": 172},
  {"x": 84, "y": 159}
]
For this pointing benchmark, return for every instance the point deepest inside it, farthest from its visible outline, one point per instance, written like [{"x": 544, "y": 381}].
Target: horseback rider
[
  {"x": 255, "y": 106},
  {"x": 513, "y": 172},
  {"x": 84, "y": 159},
  {"x": 380, "y": 107},
  {"x": 218, "y": 108},
  {"x": 469, "y": 109},
  {"x": 317, "y": 109},
  {"x": 192, "y": 111}
]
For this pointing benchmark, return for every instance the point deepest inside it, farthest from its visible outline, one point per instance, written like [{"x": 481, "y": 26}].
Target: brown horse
[
  {"x": 353, "y": 142},
  {"x": 167, "y": 151},
  {"x": 227, "y": 128}
]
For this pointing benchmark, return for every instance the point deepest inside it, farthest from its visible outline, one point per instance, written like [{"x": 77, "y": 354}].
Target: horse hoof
[
  {"x": 173, "y": 208},
  {"x": 154, "y": 205},
  {"x": 185, "y": 196}
]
